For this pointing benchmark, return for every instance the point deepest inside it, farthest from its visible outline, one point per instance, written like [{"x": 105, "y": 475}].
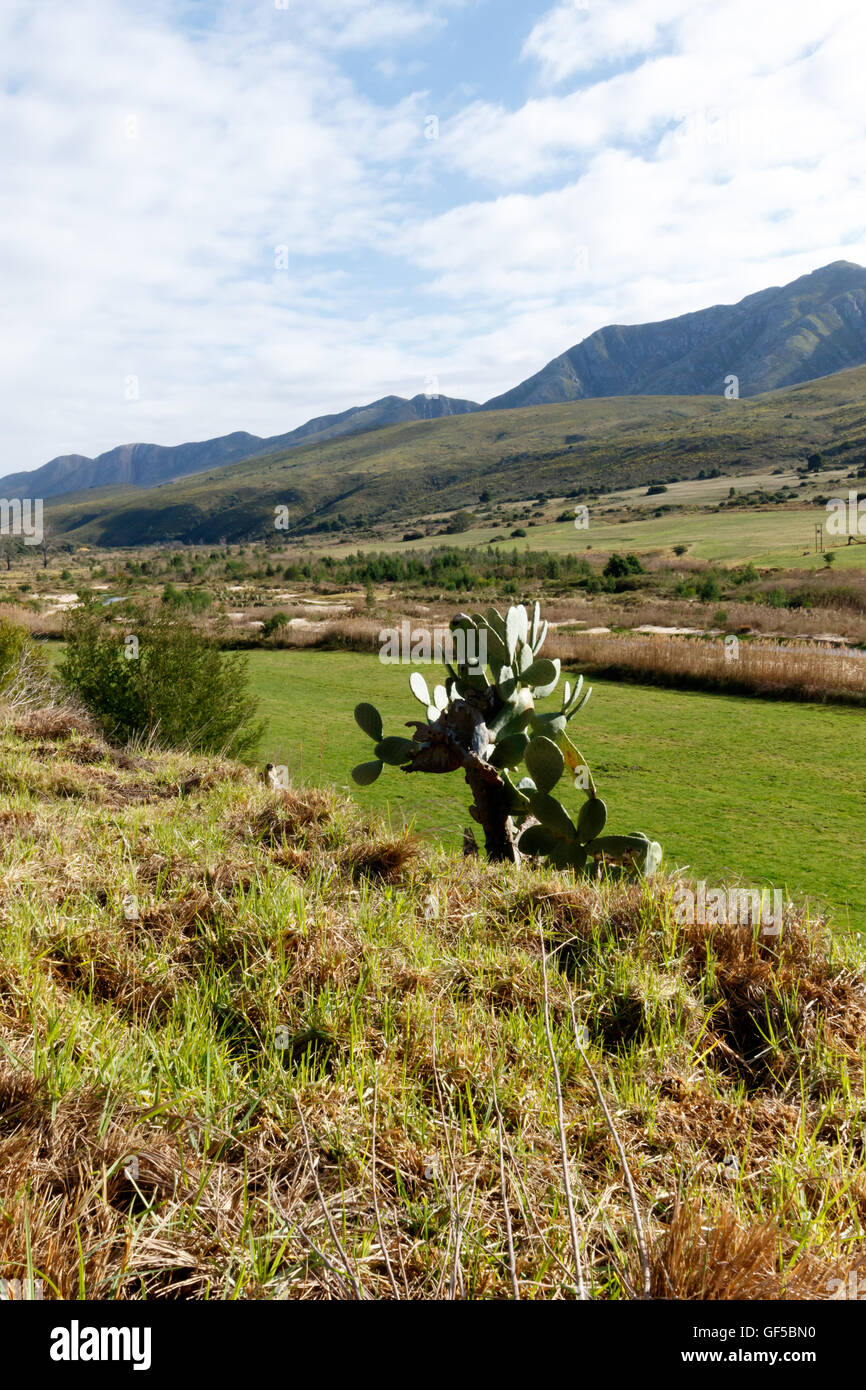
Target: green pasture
[
  {"x": 777, "y": 538},
  {"x": 737, "y": 790}
]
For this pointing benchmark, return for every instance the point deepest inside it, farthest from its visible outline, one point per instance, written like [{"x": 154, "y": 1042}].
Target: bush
[
  {"x": 196, "y": 600},
  {"x": 708, "y": 589},
  {"x": 273, "y": 624},
  {"x": 775, "y": 598},
  {"x": 22, "y": 663},
  {"x": 459, "y": 523},
  {"x": 179, "y": 688},
  {"x": 12, "y": 643},
  {"x": 620, "y": 566}
]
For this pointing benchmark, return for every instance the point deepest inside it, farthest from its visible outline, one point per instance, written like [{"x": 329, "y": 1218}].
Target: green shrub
[
  {"x": 176, "y": 686},
  {"x": 194, "y": 600},
  {"x": 460, "y": 522},
  {"x": 272, "y": 625},
  {"x": 775, "y": 598},
  {"x": 620, "y": 566},
  {"x": 18, "y": 652},
  {"x": 708, "y": 589},
  {"x": 14, "y": 641}
]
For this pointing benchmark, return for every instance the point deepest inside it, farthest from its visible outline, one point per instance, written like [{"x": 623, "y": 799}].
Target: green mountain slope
[
  {"x": 808, "y": 329},
  {"x": 408, "y": 470}
]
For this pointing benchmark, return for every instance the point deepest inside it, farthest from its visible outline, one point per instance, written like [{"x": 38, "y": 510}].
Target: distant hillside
[
  {"x": 807, "y": 330},
  {"x": 147, "y": 465},
  {"x": 778, "y": 337},
  {"x": 406, "y": 471}
]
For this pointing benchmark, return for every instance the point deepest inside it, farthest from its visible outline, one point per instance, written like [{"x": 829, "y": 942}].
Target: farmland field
[
  {"x": 772, "y": 538},
  {"x": 765, "y": 793}
]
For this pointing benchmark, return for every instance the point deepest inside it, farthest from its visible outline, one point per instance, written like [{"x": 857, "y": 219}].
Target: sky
[{"x": 237, "y": 216}]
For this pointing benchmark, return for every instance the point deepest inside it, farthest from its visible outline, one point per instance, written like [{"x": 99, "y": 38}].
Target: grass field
[
  {"x": 764, "y": 792},
  {"x": 780, "y": 538}
]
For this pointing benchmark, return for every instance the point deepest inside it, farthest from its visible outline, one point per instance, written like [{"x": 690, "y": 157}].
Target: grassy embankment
[{"x": 212, "y": 998}]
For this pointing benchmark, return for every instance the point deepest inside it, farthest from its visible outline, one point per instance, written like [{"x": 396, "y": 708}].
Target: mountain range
[
  {"x": 413, "y": 475},
  {"x": 778, "y": 337},
  {"x": 148, "y": 465}
]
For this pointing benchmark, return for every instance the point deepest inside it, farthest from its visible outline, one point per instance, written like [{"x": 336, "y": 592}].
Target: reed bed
[{"x": 802, "y": 672}]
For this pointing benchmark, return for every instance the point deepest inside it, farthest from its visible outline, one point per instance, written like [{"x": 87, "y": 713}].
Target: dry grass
[
  {"x": 804, "y": 672},
  {"x": 359, "y": 634},
  {"x": 725, "y": 1260}
]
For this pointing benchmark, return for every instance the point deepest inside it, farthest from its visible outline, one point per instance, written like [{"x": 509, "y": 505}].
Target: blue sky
[{"x": 219, "y": 216}]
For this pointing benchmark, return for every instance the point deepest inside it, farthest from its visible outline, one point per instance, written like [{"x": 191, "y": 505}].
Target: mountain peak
[{"x": 812, "y": 327}]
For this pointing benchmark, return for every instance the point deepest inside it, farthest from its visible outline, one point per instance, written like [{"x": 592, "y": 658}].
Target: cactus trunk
[{"x": 491, "y": 809}]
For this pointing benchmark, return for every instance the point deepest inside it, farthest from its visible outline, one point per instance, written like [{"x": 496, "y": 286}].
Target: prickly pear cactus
[{"x": 483, "y": 722}]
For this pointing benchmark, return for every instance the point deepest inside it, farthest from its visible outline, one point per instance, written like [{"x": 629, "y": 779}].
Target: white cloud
[
  {"x": 703, "y": 152},
  {"x": 733, "y": 159},
  {"x": 579, "y": 35},
  {"x": 140, "y": 217}
]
